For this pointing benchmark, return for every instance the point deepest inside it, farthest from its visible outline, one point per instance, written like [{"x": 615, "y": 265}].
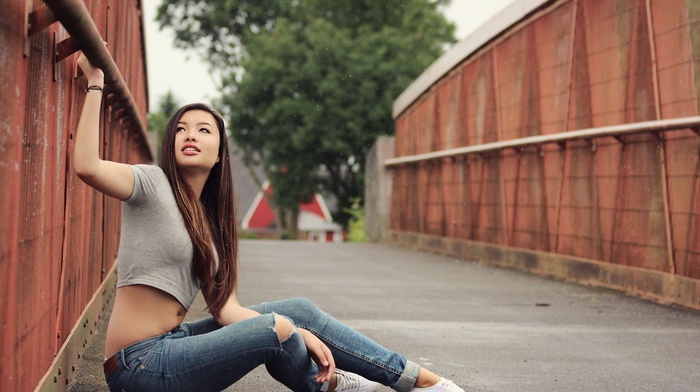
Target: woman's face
[{"x": 196, "y": 141}]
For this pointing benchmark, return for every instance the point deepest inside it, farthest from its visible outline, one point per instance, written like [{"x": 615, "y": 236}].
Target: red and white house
[{"x": 315, "y": 221}]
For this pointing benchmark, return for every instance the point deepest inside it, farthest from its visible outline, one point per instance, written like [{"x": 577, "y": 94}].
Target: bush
[{"x": 356, "y": 224}]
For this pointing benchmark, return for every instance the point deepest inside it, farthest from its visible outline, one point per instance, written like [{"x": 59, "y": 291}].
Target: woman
[{"x": 179, "y": 236}]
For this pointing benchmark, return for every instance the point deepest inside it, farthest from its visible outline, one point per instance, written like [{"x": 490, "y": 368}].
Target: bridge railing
[
  {"x": 560, "y": 138},
  {"x": 58, "y": 237},
  {"x": 615, "y": 131}
]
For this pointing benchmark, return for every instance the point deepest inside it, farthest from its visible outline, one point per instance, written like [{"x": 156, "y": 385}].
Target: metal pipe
[
  {"x": 77, "y": 21},
  {"x": 563, "y": 137}
]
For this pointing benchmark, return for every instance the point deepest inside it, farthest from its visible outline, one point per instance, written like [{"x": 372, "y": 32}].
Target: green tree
[
  {"x": 157, "y": 121},
  {"x": 309, "y": 84}
]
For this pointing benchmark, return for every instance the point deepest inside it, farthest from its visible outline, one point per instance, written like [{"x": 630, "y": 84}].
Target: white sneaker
[
  {"x": 351, "y": 382},
  {"x": 444, "y": 385}
]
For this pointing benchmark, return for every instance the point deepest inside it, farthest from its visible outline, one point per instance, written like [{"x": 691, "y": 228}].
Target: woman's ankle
[
  {"x": 426, "y": 378},
  {"x": 332, "y": 382}
]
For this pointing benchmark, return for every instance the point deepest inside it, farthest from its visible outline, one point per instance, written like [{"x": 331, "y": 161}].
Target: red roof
[{"x": 261, "y": 215}]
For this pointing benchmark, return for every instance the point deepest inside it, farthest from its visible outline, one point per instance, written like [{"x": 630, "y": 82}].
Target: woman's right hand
[
  {"x": 320, "y": 354},
  {"x": 94, "y": 75}
]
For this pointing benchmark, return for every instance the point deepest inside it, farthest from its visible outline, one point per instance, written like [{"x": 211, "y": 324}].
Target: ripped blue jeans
[{"x": 203, "y": 356}]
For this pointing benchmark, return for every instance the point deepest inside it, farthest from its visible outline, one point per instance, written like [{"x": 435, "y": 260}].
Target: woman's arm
[
  {"x": 111, "y": 178},
  {"x": 233, "y": 312}
]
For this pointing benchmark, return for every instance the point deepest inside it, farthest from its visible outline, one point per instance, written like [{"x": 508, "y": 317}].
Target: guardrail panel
[
  {"x": 462, "y": 220},
  {"x": 619, "y": 59},
  {"x": 580, "y": 221},
  {"x": 413, "y": 121},
  {"x": 487, "y": 195},
  {"x": 640, "y": 226},
  {"x": 13, "y": 95},
  {"x": 41, "y": 192},
  {"x": 516, "y": 86},
  {"x": 683, "y": 167},
  {"x": 677, "y": 41},
  {"x": 552, "y": 60},
  {"x": 435, "y": 219},
  {"x": 479, "y": 122},
  {"x": 448, "y": 112},
  {"x": 427, "y": 123}
]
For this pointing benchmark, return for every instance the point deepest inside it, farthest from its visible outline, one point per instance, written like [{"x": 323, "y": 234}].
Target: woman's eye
[
  {"x": 179, "y": 129},
  {"x": 204, "y": 130}
]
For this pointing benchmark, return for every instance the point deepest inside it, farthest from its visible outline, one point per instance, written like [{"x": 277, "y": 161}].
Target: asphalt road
[{"x": 486, "y": 328}]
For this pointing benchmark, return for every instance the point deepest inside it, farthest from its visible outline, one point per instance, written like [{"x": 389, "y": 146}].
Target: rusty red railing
[
  {"x": 561, "y": 138},
  {"x": 59, "y": 238}
]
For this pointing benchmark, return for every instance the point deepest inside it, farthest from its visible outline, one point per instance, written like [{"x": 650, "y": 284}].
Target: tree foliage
[
  {"x": 309, "y": 84},
  {"x": 158, "y": 120}
]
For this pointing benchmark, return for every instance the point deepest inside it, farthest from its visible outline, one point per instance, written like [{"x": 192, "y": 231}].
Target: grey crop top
[{"x": 155, "y": 248}]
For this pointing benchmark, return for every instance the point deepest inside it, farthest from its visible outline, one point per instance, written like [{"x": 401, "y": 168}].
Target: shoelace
[{"x": 344, "y": 383}]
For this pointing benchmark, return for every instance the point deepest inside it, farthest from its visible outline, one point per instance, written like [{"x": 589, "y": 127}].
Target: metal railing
[
  {"x": 616, "y": 131},
  {"x": 77, "y": 21}
]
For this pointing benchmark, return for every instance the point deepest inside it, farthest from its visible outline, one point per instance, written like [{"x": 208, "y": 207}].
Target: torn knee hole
[{"x": 283, "y": 327}]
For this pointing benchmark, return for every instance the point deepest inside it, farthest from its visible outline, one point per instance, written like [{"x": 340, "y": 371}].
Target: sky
[{"x": 187, "y": 76}]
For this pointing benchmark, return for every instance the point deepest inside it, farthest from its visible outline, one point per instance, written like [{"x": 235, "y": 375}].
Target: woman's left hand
[{"x": 320, "y": 354}]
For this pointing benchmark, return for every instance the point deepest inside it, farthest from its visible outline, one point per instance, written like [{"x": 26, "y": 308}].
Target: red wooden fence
[{"x": 58, "y": 238}]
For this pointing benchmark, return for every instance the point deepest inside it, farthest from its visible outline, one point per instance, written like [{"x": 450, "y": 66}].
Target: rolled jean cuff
[{"x": 408, "y": 378}]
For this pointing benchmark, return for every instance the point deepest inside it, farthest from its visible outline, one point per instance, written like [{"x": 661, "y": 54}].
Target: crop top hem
[{"x": 167, "y": 289}]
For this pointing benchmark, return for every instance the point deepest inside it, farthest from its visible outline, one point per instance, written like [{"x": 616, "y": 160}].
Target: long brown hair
[{"x": 212, "y": 218}]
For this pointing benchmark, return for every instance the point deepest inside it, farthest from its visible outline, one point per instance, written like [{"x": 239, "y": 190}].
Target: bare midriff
[{"x": 141, "y": 312}]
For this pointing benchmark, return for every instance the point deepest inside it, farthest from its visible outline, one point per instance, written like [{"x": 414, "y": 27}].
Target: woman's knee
[
  {"x": 305, "y": 305},
  {"x": 283, "y": 327},
  {"x": 307, "y": 314}
]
